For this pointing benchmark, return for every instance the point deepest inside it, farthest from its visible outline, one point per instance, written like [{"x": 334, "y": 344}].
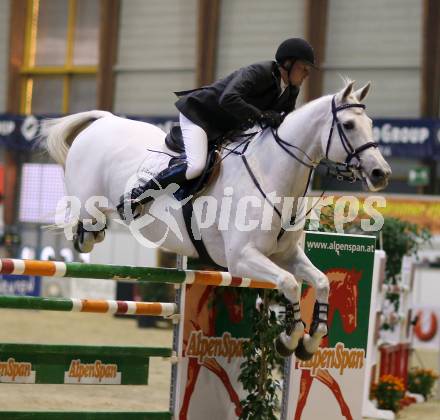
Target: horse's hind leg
[
  {"x": 85, "y": 179},
  {"x": 88, "y": 217},
  {"x": 84, "y": 240}
]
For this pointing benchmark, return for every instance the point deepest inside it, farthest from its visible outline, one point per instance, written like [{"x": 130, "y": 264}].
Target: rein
[{"x": 341, "y": 171}]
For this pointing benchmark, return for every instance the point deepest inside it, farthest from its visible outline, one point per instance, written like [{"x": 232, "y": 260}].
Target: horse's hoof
[
  {"x": 301, "y": 353},
  {"x": 99, "y": 236},
  {"x": 281, "y": 348},
  {"x": 76, "y": 243},
  {"x": 83, "y": 247}
]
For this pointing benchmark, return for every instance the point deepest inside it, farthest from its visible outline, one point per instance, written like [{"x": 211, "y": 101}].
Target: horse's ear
[
  {"x": 362, "y": 92},
  {"x": 343, "y": 94}
]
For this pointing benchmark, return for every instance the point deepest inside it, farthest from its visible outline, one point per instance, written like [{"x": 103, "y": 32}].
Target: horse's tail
[{"x": 59, "y": 133}]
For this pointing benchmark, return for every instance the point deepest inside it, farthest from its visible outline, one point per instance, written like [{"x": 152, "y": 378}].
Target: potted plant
[
  {"x": 421, "y": 381},
  {"x": 388, "y": 392}
]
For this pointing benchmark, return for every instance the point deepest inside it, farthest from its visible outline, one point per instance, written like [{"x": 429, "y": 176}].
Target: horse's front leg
[
  {"x": 250, "y": 262},
  {"x": 302, "y": 268}
]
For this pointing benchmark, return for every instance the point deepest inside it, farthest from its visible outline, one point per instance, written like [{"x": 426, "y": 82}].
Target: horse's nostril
[{"x": 377, "y": 173}]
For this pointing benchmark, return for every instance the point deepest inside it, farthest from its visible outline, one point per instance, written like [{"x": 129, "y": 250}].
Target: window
[
  {"x": 60, "y": 56},
  {"x": 42, "y": 187}
]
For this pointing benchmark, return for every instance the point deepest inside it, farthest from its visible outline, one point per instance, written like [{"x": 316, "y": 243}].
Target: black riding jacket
[{"x": 235, "y": 102}]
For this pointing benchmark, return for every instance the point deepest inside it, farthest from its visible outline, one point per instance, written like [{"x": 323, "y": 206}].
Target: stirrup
[
  {"x": 123, "y": 202},
  {"x": 174, "y": 173},
  {"x": 131, "y": 201}
]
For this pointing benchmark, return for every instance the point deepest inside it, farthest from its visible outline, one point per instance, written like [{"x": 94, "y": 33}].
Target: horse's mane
[
  {"x": 305, "y": 107},
  {"x": 240, "y": 135}
]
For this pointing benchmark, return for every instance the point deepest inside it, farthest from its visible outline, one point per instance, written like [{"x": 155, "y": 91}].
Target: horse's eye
[{"x": 349, "y": 125}]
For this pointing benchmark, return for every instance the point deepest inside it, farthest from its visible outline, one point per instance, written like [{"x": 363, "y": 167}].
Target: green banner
[
  {"x": 331, "y": 383},
  {"x": 77, "y": 365},
  {"x": 348, "y": 262}
]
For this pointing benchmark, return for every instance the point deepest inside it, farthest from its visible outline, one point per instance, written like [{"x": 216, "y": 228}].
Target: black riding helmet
[{"x": 295, "y": 48}]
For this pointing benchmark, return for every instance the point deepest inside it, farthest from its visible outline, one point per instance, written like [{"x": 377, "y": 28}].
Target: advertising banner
[
  {"x": 415, "y": 138},
  {"x": 76, "y": 365},
  {"x": 20, "y": 285},
  {"x": 215, "y": 326},
  {"x": 21, "y": 132},
  {"x": 423, "y": 211},
  {"x": 408, "y": 138},
  {"x": 331, "y": 384}
]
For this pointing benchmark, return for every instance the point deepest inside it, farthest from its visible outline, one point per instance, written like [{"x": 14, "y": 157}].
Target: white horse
[{"x": 108, "y": 157}]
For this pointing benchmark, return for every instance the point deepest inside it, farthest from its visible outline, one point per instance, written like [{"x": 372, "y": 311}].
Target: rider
[{"x": 259, "y": 93}]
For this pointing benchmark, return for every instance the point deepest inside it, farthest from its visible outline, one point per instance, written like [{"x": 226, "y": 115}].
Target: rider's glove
[{"x": 270, "y": 119}]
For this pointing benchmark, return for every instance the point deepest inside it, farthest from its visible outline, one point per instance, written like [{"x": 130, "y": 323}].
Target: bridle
[
  {"x": 343, "y": 171},
  {"x": 352, "y": 153}
]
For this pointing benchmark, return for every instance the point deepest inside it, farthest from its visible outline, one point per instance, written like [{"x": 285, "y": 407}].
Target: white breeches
[{"x": 195, "y": 140}]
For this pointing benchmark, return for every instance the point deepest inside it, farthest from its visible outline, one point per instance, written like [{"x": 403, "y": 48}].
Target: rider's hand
[{"x": 270, "y": 119}]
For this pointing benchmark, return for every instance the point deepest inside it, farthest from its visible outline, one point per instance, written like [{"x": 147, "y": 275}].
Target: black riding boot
[{"x": 172, "y": 174}]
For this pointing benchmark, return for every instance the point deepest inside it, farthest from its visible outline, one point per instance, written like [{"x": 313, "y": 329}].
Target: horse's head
[
  {"x": 344, "y": 296},
  {"x": 349, "y": 138}
]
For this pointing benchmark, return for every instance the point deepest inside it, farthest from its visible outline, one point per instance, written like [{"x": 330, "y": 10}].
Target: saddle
[{"x": 174, "y": 142}]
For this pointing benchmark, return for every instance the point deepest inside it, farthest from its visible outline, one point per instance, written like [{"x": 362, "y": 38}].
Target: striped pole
[
  {"x": 88, "y": 305},
  {"x": 128, "y": 273}
]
